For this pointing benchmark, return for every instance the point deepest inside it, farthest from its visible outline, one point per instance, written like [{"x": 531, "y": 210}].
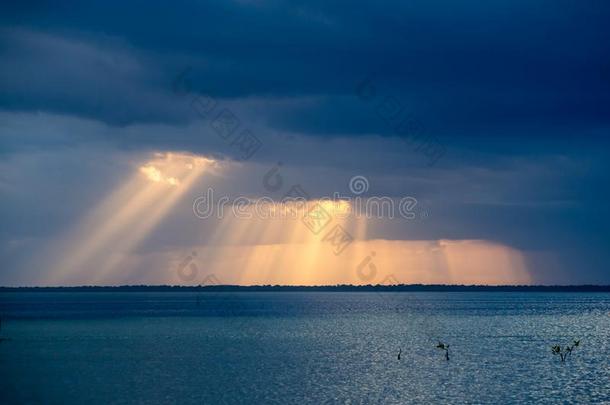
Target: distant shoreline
[{"x": 326, "y": 288}]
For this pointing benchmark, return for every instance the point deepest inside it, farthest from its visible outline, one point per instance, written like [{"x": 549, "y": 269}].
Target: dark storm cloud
[
  {"x": 517, "y": 92},
  {"x": 461, "y": 67}
]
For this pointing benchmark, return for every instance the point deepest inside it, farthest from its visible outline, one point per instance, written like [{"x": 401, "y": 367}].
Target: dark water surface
[{"x": 306, "y": 347}]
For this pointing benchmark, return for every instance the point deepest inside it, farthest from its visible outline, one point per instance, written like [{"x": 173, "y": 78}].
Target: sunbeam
[
  {"x": 114, "y": 229},
  {"x": 284, "y": 250}
]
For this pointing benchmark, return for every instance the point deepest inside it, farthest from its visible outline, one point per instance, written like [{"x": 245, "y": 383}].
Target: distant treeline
[{"x": 332, "y": 288}]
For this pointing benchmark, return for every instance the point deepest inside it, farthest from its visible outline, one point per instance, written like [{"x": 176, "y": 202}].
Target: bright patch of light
[
  {"x": 104, "y": 239},
  {"x": 169, "y": 168}
]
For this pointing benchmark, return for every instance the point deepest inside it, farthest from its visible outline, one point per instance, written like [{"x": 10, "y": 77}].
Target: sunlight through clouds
[
  {"x": 113, "y": 229},
  {"x": 259, "y": 247},
  {"x": 312, "y": 262}
]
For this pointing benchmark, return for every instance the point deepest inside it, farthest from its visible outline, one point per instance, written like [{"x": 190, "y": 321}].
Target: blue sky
[{"x": 517, "y": 94}]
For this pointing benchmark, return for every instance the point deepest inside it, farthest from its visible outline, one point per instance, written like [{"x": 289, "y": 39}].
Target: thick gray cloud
[
  {"x": 517, "y": 94},
  {"x": 460, "y": 67}
]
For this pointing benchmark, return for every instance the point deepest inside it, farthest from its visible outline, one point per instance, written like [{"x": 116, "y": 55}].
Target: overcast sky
[{"x": 512, "y": 98}]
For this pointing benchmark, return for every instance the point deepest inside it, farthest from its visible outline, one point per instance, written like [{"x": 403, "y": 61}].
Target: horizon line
[{"x": 329, "y": 287}]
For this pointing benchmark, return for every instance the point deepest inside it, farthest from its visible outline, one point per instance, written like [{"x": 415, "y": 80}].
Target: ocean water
[{"x": 302, "y": 347}]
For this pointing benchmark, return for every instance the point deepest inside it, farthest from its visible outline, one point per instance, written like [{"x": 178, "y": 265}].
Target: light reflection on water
[{"x": 303, "y": 347}]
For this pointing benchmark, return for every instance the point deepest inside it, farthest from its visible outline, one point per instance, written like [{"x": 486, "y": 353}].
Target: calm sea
[{"x": 302, "y": 347}]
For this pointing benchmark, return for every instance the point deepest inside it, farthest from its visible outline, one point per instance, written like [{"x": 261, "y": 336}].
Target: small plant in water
[
  {"x": 565, "y": 352},
  {"x": 444, "y": 347}
]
